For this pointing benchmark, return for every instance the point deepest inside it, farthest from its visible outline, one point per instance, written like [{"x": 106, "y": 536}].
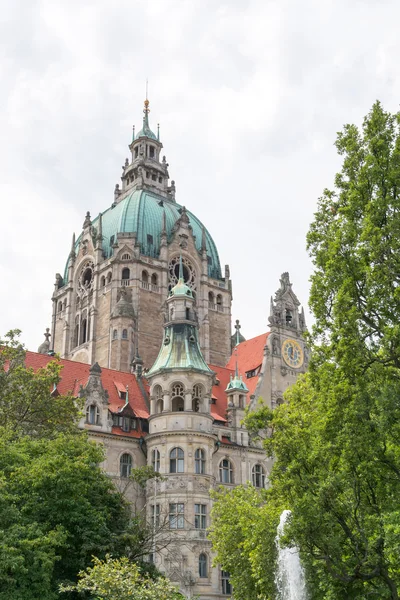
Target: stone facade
[
  {"x": 137, "y": 248},
  {"x": 165, "y": 388}
]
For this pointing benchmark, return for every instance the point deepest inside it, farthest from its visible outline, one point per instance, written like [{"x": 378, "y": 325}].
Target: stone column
[
  {"x": 188, "y": 401},
  {"x": 167, "y": 402}
]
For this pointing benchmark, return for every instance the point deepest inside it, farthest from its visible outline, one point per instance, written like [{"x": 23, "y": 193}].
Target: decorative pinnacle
[
  {"x": 133, "y": 133},
  {"x": 72, "y": 253},
  {"x": 237, "y": 327},
  {"x": 203, "y": 240},
  {"x": 158, "y": 131},
  {"x": 47, "y": 335}
]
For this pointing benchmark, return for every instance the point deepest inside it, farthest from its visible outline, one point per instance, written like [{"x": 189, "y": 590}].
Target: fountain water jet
[{"x": 289, "y": 577}]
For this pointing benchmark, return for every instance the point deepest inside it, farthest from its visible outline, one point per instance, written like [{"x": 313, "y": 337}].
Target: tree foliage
[
  {"x": 57, "y": 509},
  {"x": 336, "y": 441},
  {"x": 243, "y": 536},
  {"x": 120, "y": 579},
  {"x": 27, "y": 404}
]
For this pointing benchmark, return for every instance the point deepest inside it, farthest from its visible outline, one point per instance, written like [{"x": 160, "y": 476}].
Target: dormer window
[{"x": 92, "y": 414}]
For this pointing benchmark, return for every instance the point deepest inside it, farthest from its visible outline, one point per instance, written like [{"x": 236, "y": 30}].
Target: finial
[
  {"x": 146, "y": 109},
  {"x": 158, "y": 131},
  {"x": 47, "y": 334},
  {"x": 87, "y": 222},
  {"x": 237, "y": 327},
  {"x": 133, "y": 133},
  {"x": 164, "y": 224}
]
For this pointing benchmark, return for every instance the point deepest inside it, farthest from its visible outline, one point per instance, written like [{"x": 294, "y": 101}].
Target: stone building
[{"x": 142, "y": 321}]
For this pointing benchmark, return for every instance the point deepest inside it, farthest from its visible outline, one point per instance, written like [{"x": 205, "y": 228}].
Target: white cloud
[{"x": 249, "y": 95}]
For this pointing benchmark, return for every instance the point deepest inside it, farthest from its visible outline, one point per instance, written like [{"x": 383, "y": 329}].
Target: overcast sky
[{"x": 249, "y": 96}]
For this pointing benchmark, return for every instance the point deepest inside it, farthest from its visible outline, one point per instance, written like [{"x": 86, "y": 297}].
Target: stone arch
[{"x": 177, "y": 397}]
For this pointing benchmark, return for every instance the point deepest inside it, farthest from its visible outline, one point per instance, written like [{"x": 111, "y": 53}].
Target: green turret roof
[
  {"x": 146, "y": 131},
  {"x": 236, "y": 383},
  {"x": 180, "y": 350}
]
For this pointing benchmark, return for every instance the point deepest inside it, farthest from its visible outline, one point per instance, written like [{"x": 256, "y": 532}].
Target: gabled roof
[
  {"x": 74, "y": 374},
  {"x": 249, "y": 355}
]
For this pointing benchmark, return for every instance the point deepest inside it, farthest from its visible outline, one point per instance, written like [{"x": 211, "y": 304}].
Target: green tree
[
  {"x": 243, "y": 536},
  {"x": 336, "y": 441},
  {"x": 120, "y": 579},
  {"x": 27, "y": 405},
  {"x": 58, "y": 508}
]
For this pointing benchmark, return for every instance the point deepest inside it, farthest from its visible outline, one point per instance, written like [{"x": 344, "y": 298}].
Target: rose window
[
  {"x": 189, "y": 275},
  {"x": 85, "y": 281}
]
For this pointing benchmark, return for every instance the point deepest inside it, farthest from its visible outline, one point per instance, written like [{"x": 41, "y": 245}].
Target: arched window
[
  {"x": 126, "y": 274},
  {"x": 124, "y": 334},
  {"x": 76, "y": 335},
  {"x": 288, "y": 316},
  {"x": 199, "y": 462},
  {"x": 92, "y": 414},
  {"x": 125, "y": 465},
  {"x": 258, "y": 476},
  {"x": 126, "y": 257},
  {"x": 203, "y": 570},
  {"x": 154, "y": 279},
  {"x": 83, "y": 331},
  {"x": 177, "y": 394},
  {"x": 176, "y": 460},
  {"x": 225, "y": 471},
  {"x": 115, "y": 334},
  {"x": 60, "y": 306},
  {"x": 211, "y": 300},
  {"x": 158, "y": 395},
  {"x": 155, "y": 460},
  {"x": 197, "y": 394},
  {"x": 102, "y": 281},
  {"x": 109, "y": 277},
  {"x": 145, "y": 277},
  {"x": 219, "y": 302},
  {"x": 241, "y": 401}
]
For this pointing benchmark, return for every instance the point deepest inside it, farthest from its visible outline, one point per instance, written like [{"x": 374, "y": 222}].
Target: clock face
[{"x": 292, "y": 353}]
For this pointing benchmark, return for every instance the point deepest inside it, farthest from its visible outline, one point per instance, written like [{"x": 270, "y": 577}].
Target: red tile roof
[
  {"x": 249, "y": 356},
  {"x": 74, "y": 374},
  {"x": 218, "y": 392}
]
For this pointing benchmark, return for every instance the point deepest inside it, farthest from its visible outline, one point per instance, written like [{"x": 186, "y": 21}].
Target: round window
[{"x": 189, "y": 274}]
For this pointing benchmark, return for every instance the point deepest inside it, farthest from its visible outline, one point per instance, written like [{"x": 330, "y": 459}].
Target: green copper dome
[{"x": 141, "y": 212}]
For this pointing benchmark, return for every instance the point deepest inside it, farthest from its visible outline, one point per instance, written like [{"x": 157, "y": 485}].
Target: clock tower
[{"x": 285, "y": 353}]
